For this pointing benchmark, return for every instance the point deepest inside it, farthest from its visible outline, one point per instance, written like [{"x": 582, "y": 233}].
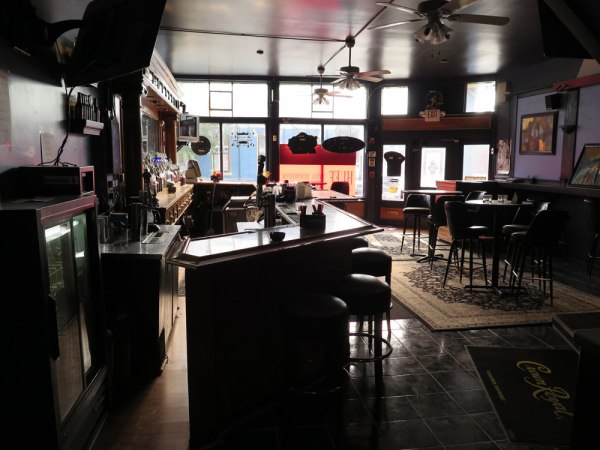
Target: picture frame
[
  {"x": 503, "y": 157},
  {"x": 538, "y": 133},
  {"x": 587, "y": 170}
]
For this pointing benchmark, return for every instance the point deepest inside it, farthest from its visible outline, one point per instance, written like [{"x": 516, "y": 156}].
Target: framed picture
[
  {"x": 587, "y": 169},
  {"x": 538, "y": 133},
  {"x": 503, "y": 157}
]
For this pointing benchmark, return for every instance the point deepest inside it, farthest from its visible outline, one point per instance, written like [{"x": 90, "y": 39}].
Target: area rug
[
  {"x": 419, "y": 289},
  {"x": 391, "y": 241},
  {"x": 532, "y": 391}
]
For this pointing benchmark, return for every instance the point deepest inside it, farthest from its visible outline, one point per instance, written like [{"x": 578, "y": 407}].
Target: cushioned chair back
[
  {"x": 525, "y": 214},
  {"x": 438, "y": 215},
  {"x": 592, "y": 213},
  {"x": 475, "y": 195},
  {"x": 457, "y": 218},
  {"x": 546, "y": 227},
  {"x": 417, "y": 201},
  {"x": 343, "y": 187}
]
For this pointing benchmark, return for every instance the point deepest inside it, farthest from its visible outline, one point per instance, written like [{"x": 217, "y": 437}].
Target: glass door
[
  {"x": 68, "y": 274},
  {"x": 433, "y": 166},
  {"x": 393, "y": 177}
]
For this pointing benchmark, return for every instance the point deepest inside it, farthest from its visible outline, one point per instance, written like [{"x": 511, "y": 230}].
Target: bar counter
[{"x": 236, "y": 286}]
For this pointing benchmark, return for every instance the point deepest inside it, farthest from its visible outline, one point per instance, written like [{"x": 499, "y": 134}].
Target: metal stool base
[{"x": 384, "y": 355}]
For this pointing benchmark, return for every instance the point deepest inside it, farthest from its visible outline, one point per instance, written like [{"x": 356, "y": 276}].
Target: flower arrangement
[{"x": 216, "y": 175}]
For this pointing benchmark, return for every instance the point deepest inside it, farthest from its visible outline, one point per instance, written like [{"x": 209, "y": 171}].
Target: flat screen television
[
  {"x": 116, "y": 38},
  {"x": 189, "y": 128},
  {"x": 559, "y": 41}
]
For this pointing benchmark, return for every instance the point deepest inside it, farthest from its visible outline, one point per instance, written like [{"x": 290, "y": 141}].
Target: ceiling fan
[
  {"x": 350, "y": 75},
  {"x": 433, "y": 11},
  {"x": 322, "y": 93}
]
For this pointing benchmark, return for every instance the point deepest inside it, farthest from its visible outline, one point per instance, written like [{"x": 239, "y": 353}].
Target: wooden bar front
[{"x": 236, "y": 287}]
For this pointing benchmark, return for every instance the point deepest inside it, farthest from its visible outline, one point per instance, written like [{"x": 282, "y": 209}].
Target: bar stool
[
  {"x": 367, "y": 295},
  {"x": 537, "y": 244},
  {"x": 316, "y": 343},
  {"x": 417, "y": 208},
  {"x": 376, "y": 262},
  {"x": 520, "y": 222},
  {"x": 592, "y": 213},
  {"x": 359, "y": 242},
  {"x": 464, "y": 234},
  {"x": 438, "y": 219}
]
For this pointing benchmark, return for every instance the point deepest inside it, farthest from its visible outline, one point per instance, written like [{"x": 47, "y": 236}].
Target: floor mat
[{"x": 531, "y": 390}]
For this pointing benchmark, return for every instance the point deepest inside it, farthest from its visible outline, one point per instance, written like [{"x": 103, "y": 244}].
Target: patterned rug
[
  {"x": 419, "y": 289},
  {"x": 391, "y": 241}
]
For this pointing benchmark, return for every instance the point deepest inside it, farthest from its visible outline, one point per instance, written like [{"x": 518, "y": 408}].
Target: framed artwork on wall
[
  {"x": 587, "y": 169},
  {"x": 538, "y": 133},
  {"x": 503, "y": 158}
]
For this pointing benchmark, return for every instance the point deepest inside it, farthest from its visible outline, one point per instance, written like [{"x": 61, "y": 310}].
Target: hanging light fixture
[{"x": 435, "y": 32}]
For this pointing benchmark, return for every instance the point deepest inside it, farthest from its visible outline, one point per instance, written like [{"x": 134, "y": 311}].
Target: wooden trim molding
[{"x": 478, "y": 122}]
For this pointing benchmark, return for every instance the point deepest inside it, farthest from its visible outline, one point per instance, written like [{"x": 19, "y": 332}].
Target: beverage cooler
[{"x": 53, "y": 367}]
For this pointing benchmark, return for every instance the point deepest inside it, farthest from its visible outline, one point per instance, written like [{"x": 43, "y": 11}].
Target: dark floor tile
[
  {"x": 243, "y": 440},
  {"x": 458, "y": 380},
  {"x": 490, "y": 341},
  {"x": 473, "y": 401},
  {"x": 440, "y": 363},
  {"x": 474, "y": 446},
  {"x": 317, "y": 438},
  {"x": 454, "y": 430},
  {"x": 409, "y": 434},
  {"x": 525, "y": 341},
  {"x": 353, "y": 411},
  {"x": 391, "y": 408},
  {"x": 490, "y": 424},
  {"x": 358, "y": 437},
  {"x": 397, "y": 366},
  {"x": 418, "y": 383},
  {"x": 435, "y": 405},
  {"x": 422, "y": 345},
  {"x": 476, "y": 333}
]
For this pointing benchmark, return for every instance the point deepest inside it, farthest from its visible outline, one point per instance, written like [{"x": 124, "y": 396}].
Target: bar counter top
[{"x": 198, "y": 252}]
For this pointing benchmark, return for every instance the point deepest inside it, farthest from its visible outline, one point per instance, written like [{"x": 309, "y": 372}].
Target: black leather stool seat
[
  {"x": 511, "y": 228},
  {"x": 416, "y": 210},
  {"x": 316, "y": 343},
  {"x": 372, "y": 261},
  {"x": 367, "y": 295},
  {"x": 359, "y": 242}
]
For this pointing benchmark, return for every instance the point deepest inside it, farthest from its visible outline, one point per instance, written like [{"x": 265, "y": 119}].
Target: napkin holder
[{"x": 313, "y": 222}]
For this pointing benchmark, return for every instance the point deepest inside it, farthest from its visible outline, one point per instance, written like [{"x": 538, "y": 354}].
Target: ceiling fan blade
[
  {"x": 402, "y": 8},
  {"x": 374, "y": 72},
  {"x": 339, "y": 80},
  {"x": 393, "y": 24},
  {"x": 372, "y": 79},
  {"x": 475, "y": 18},
  {"x": 455, "y": 5},
  {"x": 337, "y": 94}
]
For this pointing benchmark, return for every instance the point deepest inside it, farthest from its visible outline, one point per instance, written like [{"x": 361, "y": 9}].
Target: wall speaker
[{"x": 553, "y": 101}]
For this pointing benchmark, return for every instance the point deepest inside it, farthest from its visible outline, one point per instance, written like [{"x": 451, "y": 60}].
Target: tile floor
[{"x": 430, "y": 398}]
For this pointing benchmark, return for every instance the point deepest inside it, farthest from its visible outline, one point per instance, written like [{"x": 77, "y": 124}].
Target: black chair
[
  {"x": 416, "y": 208},
  {"x": 521, "y": 221},
  {"x": 437, "y": 219},
  {"x": 536, "y": 245},
  {"x": 464, "y": 235},
  {"x": 592, "y": 213},
  {"x": 343, "y": 187}
]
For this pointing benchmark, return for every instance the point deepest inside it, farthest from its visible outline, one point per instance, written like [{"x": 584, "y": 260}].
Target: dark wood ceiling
[{"x": 224, "y": 37}]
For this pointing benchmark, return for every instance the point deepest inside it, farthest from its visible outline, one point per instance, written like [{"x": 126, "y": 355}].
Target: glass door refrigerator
[{"x": 51, "y": 323}]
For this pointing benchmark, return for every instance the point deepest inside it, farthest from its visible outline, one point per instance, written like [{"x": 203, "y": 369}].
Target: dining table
[
  {"x": 501, "y": 214},
  {"x": 432, "y": 193}
]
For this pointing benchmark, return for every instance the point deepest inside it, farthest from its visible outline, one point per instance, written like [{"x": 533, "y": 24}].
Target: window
[
  {"x": 476, "y": 161},
  {"x": 394, "y": 100},
  {"x": 297, "y": 100},
  {"x": 481, "y": 96},
  {"x": 392, "y": 186},
  {"x": 234, "y": 150},
  {"x": 322, "y": 167},
  {"x": 225, "y": 99}
]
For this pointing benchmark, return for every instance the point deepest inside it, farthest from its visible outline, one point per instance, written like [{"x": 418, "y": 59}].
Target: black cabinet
[
  {"x": 53, "y": 369},
  {"x": 141, "y": 301}
]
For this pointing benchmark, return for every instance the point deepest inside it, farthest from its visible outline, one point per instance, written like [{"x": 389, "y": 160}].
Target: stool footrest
[{"x": 384, "y": 355}]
